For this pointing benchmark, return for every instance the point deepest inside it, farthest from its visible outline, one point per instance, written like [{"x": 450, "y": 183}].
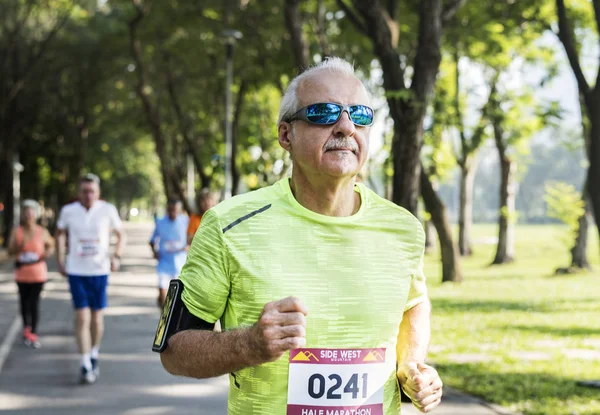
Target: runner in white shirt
[{"x": 89, "y": 223}]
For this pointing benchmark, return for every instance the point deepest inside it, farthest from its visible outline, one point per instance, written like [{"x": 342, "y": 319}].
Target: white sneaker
[
  {"x": 95, "y": 367},
  {"x": 87, "y": 376}
]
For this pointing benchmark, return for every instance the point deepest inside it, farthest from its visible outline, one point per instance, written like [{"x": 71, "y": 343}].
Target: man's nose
[{"x": 344, "y": 126}]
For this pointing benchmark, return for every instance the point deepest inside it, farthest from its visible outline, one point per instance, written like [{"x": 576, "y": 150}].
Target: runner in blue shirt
[{"x": 169, "y": 245}]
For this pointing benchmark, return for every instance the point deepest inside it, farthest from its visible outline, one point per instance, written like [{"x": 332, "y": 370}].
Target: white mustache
[{"x": 341, "y": 143}]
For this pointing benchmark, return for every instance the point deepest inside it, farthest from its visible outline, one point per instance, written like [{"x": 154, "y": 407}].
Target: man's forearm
[
  {"x": 60, "y": 248},
  {"x": 414, "y": 335},
  {"x": 120, "y": 243},
  {"x": 204, "y": 354}
]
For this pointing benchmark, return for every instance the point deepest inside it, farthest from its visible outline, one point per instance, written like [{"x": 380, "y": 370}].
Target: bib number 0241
[
  {"x": 337, "y": 381},
  {"x": 356, "y": 386}
]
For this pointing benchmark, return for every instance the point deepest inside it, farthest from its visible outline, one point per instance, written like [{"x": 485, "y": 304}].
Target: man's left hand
[{"x": 422, "y": 384}]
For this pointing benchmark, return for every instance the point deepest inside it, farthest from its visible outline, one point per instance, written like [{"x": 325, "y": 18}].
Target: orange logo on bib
[
  {"x": 373, "y": 356},
  {"x": 306, "y": 356}
]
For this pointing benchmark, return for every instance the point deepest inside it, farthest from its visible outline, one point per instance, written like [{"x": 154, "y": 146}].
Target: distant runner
[
  {"x": 89, "y": 224},
  {"x": 169, "y": 245},
  {"x": 30, "y": 244}
]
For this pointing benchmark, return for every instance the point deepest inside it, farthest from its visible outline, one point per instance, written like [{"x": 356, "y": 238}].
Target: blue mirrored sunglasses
[{"x": 327, "y": 113}]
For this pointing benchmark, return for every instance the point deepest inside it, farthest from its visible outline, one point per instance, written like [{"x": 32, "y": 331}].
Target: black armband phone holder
[{"x": 175, "y": 317}]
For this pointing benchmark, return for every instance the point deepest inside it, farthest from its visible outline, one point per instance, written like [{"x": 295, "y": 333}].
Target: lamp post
[{"x": 230, "y": 36}]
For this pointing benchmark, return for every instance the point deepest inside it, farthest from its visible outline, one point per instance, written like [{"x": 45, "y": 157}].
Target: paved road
[{"x": 132, "y": 381}]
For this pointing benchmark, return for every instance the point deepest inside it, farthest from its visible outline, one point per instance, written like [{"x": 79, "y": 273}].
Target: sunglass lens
[
  {"x": 323, "y": 113},
  {"x": 361, "y": 115}
]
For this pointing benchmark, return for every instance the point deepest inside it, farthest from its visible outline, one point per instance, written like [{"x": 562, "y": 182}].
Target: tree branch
[
  {"x": 597, "y": 14},
  {"x": 459, "y": 120},
  {"x": 450, "y": 9},
  {"x": 19, "y": 83},
  {"x": 497, "y": 118},
  {"x": 25, "y": 17},
  {"x": 566, "y": 37},
  {"x": 193, "y": 143},
  {"x": 320, "y": 29},
  {"x": 479, "y": 133},
  {"x": 136, "y": 51},
  {"x": 142, "y": 89},
  {"x": 360, "y": 25},
  {"x": 378, "y": 28},
  {"x": 392, "y": 8},
  {"x": 293, "y": 21}
]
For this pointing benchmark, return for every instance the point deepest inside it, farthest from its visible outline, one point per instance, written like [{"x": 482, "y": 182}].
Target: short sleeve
[
  {"x": 418, "y": 287},
  {"x": 115, "y": 220},
  {"x": 205, "y": 275},
  {"x": 62, "y": 220}
]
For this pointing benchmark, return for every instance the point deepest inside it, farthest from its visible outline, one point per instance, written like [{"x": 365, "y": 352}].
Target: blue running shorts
[{"x": 88, "y": 291}]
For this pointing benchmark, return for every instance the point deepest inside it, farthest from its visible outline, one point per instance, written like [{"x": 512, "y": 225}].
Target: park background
[{"x": 488, "y": 129}]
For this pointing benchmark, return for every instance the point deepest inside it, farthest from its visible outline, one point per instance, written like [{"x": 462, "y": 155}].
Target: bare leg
[
  {"x": 97, "y": 327},
  {"x": 82, "y": 330},
  {"x": 162, "y": 296}
]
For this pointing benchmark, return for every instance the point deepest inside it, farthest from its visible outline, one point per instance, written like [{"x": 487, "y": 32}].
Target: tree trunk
[
  {"x": 593, "y": 176},
  {"x": 407, "y": 105},
  {"x": 579, "y": 251},
  {"x": 591, "y": 98},
  {"x": 429, "y": 236},
  {"x": 450, "y": 262},
  {"x": 506, "y": 228},
  {"x": 465, "y": 215},
  {"x": 406, "y": 147}
]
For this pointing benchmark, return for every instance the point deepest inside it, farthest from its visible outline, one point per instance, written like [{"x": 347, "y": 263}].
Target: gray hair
[
  {"x": 290, "y": 103},
  {"x": 89, "y": 178},
  {"x": 31, "y": 204}
]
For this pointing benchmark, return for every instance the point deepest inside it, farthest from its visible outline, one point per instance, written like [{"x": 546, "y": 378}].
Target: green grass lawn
[{"x": 516, "y": 335}]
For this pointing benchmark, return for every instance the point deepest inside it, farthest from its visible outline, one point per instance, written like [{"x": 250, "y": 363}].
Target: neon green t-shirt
[{"x": 357, "y": 275}]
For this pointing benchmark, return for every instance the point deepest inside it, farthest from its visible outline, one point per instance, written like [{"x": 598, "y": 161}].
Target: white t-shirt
[{"x": 89, "y": 236}]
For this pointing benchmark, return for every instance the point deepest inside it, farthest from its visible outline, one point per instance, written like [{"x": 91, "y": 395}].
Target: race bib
[
  {"x": 172, "y": 246},
  {"x": 336, "y": 381},
  {"x": 28, "y": 257},
  {"x": 88, "y": 247}
]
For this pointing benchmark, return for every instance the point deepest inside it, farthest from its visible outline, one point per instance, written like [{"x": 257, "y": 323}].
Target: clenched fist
[
  {"x": 422, "y": 384},
  {"x": 281, "y": 327}
]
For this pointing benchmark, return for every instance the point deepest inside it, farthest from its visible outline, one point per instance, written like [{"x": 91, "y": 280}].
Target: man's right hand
[
  {"x": 62, "y": 269},
  {"x": 156, "y": 255},
  {"x": 281, "y": 327}
]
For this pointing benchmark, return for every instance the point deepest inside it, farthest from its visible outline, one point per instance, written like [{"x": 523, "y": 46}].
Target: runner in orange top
[
  {"x": 30, "y": 244},
  {"x": 204, "y": 201}
]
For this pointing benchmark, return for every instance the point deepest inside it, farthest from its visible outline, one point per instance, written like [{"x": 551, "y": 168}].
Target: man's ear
[{"x": 284, "y": 135}]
